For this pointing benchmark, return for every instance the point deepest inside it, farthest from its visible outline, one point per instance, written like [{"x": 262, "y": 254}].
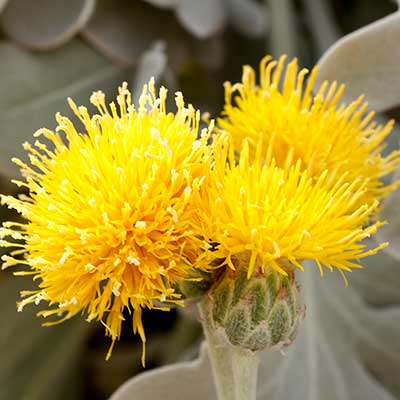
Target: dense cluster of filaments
[
  {"x": 309, "y": 176},
  {"x": 117, "y": 215},
  {"x": 324, "y": 133},
  {"x": 263, "y": 217},
  {"x": 108, "y": 217}
]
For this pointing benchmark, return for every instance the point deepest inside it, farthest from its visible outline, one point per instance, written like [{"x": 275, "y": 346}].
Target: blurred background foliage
[{"x": 52, "y": 49}]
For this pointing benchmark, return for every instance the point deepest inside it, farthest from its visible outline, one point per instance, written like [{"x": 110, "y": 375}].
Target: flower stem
[
  {"x": 234, "y": 369},
  {"x": 220, "y": 358},
  {"x": 245, "y": 368}
]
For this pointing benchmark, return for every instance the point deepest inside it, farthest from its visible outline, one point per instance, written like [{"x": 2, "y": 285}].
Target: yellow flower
[
  {"x": 313, "y": 128},
  {"x": 108, "y": 217},
  {"x": 264, "y": 217}
]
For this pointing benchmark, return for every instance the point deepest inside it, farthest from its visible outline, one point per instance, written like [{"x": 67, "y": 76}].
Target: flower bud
[{"x": 262, "y": 312}]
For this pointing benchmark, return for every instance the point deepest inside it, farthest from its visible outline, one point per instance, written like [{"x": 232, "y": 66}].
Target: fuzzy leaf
[
  {"x": 37, "y": 86},
  {"x": 45, "y": 24},
  {"x": 202, "y": 18},
  {"x": 391, "y": 232},
  {"x": 124, "y": 29},
  {"x": 378, "y": 282},
  {"x": 183, "y": 381},
  {"x": 368, "y": 61},
  {"x": 346, "y": 350},
  {"x": 248, "y": 17}
]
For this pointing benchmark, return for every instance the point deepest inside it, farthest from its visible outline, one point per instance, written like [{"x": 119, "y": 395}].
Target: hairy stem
[
  {"x": 245, "y": 368},
  {"x": 220, "y": 358},
  {"x": 234, "y": 369}
]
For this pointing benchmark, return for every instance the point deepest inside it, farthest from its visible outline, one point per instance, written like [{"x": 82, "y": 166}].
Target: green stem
[
  {"x": 234, "y": 369},
  {"x": 220, "y": 358},
  {"x": 245, "y": 368}
]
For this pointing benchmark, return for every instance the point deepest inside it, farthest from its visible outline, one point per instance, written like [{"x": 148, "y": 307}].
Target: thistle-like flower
[
  {"x": 264, "y": 216},
  {"x": 263, "y": 221},
  {"x": 294, "y": 124},
  {"x": 302, "y": 182},
  {"x": 109, "y": 213}
]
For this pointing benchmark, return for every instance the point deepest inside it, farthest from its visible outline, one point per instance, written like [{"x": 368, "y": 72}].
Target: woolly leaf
[
  {"x": 368, "y": 61},
  {"x": 45, "y": 24}
]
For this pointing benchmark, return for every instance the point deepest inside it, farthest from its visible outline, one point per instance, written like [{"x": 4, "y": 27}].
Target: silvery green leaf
[
  {"x": 45, "y": 24},
  {"x": 152, "y": 63},
  {"x": 202, "y": 18},
  {"x": 346, "y": 350},
  {"x": 378, "y": 282},
  {"x": 164, "y": 345},
  {"x": 123, "y": 29},
  {"x": 391, "y": 232},
  {"x": 37, "y": 363},
  {"x": 37, "y": 85},
  {"x": 368, "y": 61},
  {"x": 182, "y": 381},
  {"x": 248, "y": 17},
  {"x": 162, "y": 3}
]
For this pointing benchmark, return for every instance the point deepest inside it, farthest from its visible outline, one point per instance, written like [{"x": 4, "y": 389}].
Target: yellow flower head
[
  {"x": 314, "y": 128},
  {"x": 108, "y": 217},
  {"x": 264, "y": 217}
]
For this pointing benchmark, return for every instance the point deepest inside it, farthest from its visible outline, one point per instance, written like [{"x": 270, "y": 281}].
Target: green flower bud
[{"x": 259, "y": 313}]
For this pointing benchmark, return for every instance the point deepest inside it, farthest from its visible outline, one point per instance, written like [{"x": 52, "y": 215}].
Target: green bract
[{"x": 260, "y": 313}]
